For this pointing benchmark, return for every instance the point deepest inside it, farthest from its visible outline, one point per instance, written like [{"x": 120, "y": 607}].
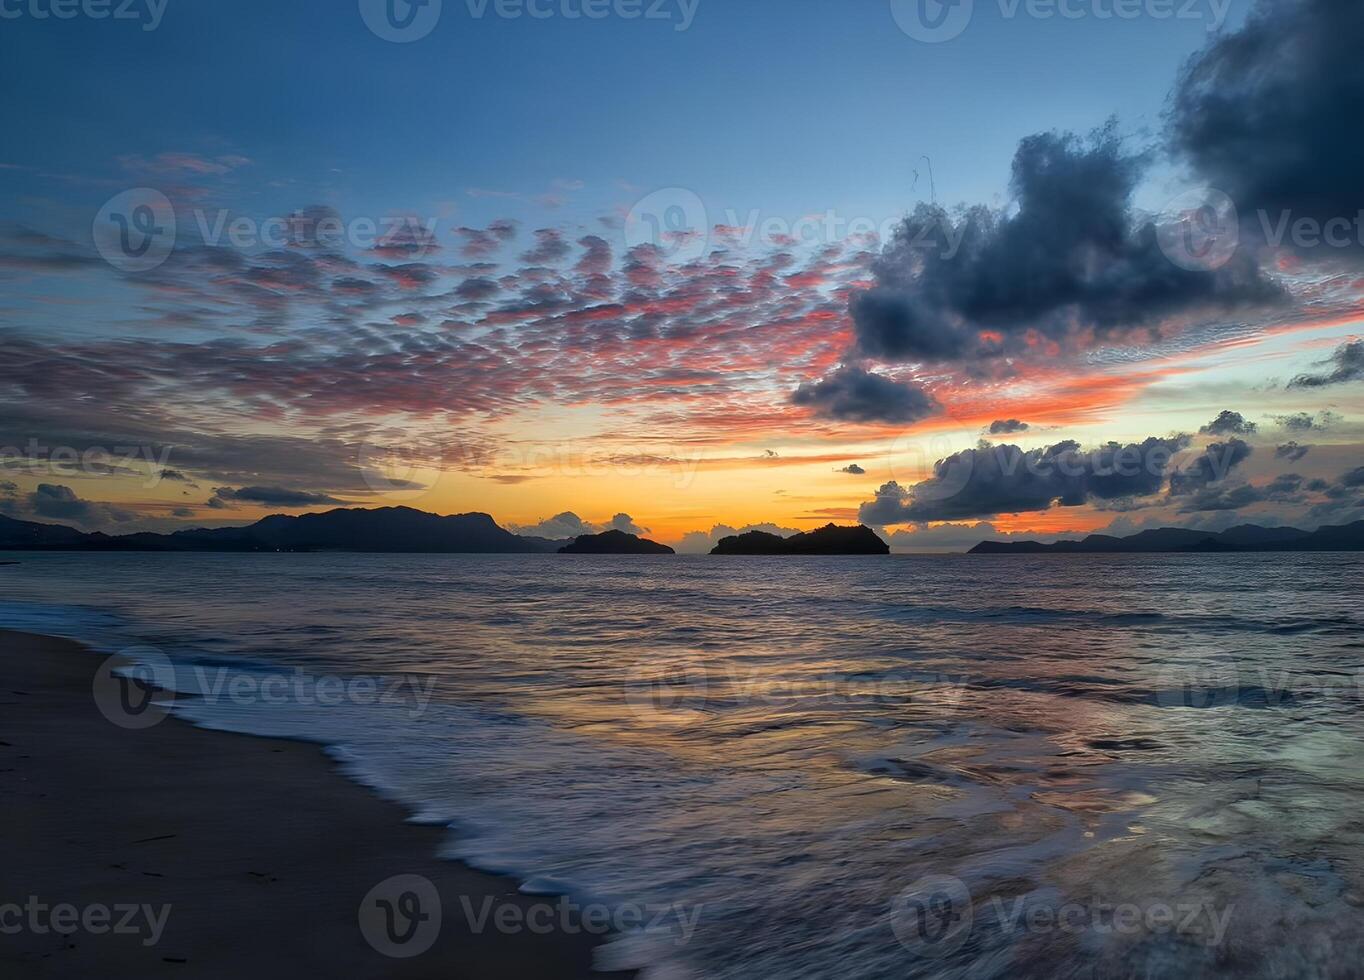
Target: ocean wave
[{"x": 829, "y": 734}]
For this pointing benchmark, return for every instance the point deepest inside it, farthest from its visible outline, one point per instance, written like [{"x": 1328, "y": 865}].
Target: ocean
[{"x": 936, "y": 766}]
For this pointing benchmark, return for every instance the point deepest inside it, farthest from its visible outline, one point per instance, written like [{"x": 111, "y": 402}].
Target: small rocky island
[
  {"x": 828, "y": 540},
  {"x": 614, "y": 543}
]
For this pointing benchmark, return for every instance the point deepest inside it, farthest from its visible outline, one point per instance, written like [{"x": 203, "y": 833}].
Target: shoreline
[{"x": 178, "y": 850}]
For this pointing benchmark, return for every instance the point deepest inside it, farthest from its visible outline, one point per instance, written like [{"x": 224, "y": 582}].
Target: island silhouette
[
  {"x": 827, "y": 540},
  {"x": 614, "y": 542},
  {"x": 407, "y": 530}
]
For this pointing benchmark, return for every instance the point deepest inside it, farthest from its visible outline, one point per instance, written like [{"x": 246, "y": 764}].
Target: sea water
[{"x": 948, "y": 766}]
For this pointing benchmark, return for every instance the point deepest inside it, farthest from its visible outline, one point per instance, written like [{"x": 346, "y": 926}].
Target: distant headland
[
  {"x": 1243, "y": 537},
  {"x": 382, "y": 529},
  {"x": 404, "y": 530}
]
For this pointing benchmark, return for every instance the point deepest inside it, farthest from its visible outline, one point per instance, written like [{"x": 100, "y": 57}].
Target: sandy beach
[{"x": 176, "y": 851}]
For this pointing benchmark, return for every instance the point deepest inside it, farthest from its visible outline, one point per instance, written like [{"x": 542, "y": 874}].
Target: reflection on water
[{"x": 919, "y": 766}]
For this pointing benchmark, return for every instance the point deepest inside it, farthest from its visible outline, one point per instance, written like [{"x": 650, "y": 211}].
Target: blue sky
[
  {"x": 531, "y": 358},
  {"x": 781, "y": 107}
]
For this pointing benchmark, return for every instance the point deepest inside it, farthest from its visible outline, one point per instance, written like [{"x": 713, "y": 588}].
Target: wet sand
[{"x": 254, "y": 855}]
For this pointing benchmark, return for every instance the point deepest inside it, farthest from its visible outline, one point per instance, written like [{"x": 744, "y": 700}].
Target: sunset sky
[{"x": 763, "y": 266}]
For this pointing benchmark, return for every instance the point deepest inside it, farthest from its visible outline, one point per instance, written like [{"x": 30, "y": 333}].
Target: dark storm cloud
[
  {"x": 1072, "y": 258},
  {"x": 1269, "y": 114},
  {"x": 270, "y": 496},
  {"x": 1213, "y": 465},
  {"x": 1344, "y": 493},
  {"x": 1343, "y": 497},
  {"x": 1284, "y": 484},
  {"x": 1291, "y": 451},
  {"x": 854, "y": 469},
  {"x": 1282, "y": 489},
  {"x": 990, "y": 480},
  {"x": 897, "y": 325},
  {"x": 60, "y": 503},
  {"x": 51, "y": 500},
  {"x": 1347, "y": 364},
  {"x": 851, "y": 394},
  {"x": 1228, "y": 423},
  {"x": 1221, "y": 498},
  {"x": 1006, "y": 426}
]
